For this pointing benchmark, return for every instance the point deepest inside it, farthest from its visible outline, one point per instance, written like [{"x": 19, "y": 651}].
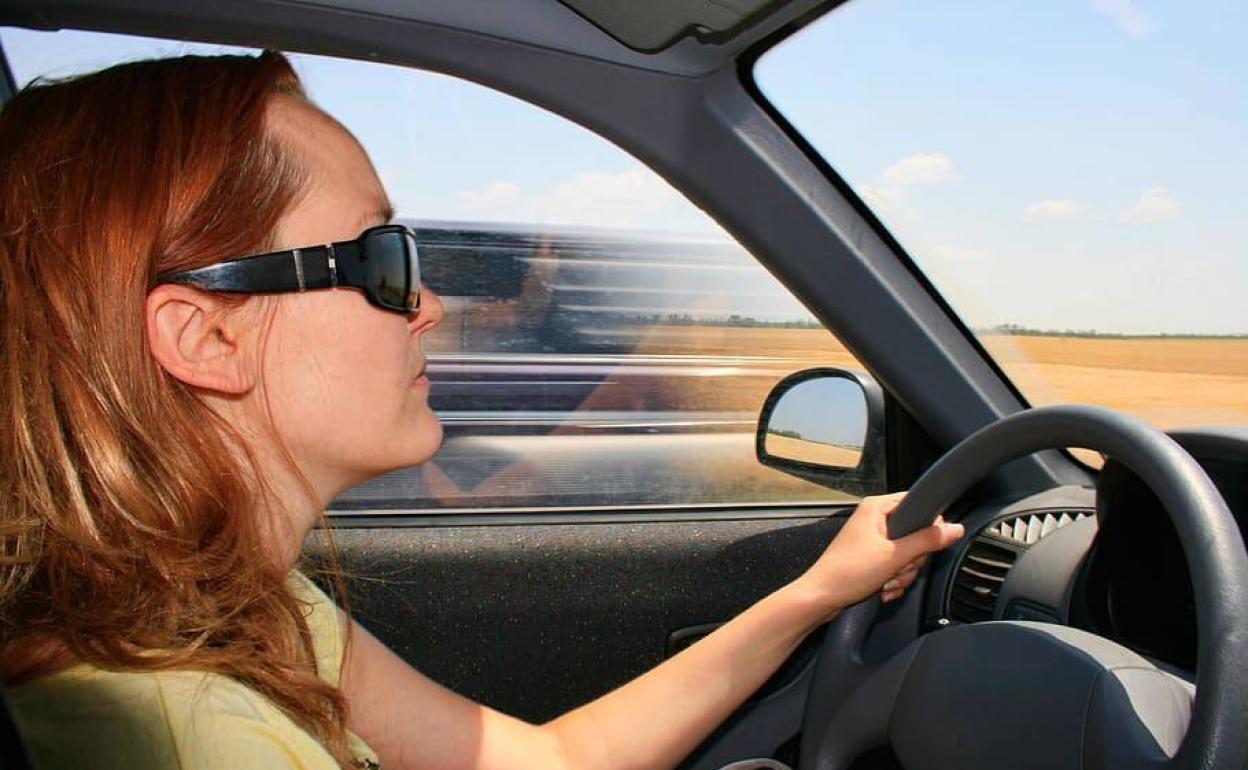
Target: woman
[{"x": 178, "y": 417}]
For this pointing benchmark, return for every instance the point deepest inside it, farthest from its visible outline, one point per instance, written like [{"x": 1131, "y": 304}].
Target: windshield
[{"x": 1071, "y": 176}]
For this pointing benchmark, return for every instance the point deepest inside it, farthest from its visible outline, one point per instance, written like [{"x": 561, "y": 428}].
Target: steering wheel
[{"x": 1025, "y": 695}]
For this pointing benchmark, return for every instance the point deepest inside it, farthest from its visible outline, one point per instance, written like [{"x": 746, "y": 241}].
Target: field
[
  {"x": 1168, "y": 382},
  {"x": 813, "y": 452},
  {"x": 722, "y": 374}
]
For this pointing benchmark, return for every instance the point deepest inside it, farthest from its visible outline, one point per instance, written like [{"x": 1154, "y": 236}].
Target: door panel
[{"x": 535, "y": 619}]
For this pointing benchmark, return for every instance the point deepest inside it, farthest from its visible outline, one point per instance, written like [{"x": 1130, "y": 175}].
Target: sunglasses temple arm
[
  {"x": 343, "y": 263},
  {"x": 283, "y": 271},
  {"x": 316, "y": 268}
]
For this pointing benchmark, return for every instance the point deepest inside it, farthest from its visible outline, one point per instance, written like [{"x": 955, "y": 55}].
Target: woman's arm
[{"x": 655, "y": 720}]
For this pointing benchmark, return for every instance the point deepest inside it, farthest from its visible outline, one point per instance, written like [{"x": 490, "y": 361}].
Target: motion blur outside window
[
  {"x": 1069, "y": 175},
  {"x": 606, "y": 344}
]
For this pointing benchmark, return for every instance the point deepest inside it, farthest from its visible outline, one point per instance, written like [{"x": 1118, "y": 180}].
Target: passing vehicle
[
  {"x": 544, "y": 342},
  {"x": 714, "y": 271}
]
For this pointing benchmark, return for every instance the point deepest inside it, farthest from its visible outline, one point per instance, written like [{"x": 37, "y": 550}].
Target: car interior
[{"x": 1091, "y": 618}]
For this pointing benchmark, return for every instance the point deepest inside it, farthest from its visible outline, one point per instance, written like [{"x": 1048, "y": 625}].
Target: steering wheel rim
[{"x": 1207, "y": 531}]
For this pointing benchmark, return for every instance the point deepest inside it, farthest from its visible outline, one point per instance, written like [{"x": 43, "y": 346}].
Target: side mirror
[{"x": 825, "y": 426}]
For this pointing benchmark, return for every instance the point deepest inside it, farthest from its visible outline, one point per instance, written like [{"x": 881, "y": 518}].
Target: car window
[
  {"x": 606, "y": 343},
  {"x": 1069, "y": 175}
]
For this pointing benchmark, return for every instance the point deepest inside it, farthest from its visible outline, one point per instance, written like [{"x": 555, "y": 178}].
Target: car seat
[{"x": 12, "y": 753}]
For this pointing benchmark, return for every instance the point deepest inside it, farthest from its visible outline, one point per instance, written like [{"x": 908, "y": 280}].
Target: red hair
[{"x": 128, "y": 529}]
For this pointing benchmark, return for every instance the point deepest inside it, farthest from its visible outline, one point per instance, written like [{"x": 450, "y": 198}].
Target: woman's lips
[{"x": 420, "y": 382}]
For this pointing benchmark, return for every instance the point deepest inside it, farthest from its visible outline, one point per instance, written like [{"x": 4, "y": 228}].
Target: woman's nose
[{"x": 429, "y": 314}]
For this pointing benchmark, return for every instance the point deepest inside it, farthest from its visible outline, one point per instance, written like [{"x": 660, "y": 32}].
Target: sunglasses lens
[{"x": 393, "y": 272}]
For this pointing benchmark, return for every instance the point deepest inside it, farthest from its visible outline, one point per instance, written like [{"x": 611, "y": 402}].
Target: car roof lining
[
  {"x": 594, "y": 29},
  {"x": 654, "y": 25}
]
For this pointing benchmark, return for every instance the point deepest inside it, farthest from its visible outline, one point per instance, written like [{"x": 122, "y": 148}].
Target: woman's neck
[
  {"x": 289, "y": 500},
  {"x": 288, "y": 511}
]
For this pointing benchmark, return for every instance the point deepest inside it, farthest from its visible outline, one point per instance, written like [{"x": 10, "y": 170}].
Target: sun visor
[{"x": 653, "y": 25}]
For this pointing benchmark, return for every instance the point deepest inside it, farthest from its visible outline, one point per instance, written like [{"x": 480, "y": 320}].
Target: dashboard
[{"x": 1107, "y": 560}]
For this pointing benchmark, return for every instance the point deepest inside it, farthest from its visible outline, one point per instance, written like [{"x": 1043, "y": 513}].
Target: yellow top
[{"x": 85, "y": 717}]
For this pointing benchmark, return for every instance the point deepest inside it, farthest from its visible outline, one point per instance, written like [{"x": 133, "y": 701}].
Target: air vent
[
  {"x": 979, "y": 579},
  {"x": 991, "y": 555},
  {"x": 1028, "y": 529}
]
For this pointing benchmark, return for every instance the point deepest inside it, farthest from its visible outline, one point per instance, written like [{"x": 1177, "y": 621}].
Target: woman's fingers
[
  {"x": 897, "y": 584},
  {"x": 901, "y": 581},
  {"x": 940, "y": 534},
  {"x": 914, "y": 565}
]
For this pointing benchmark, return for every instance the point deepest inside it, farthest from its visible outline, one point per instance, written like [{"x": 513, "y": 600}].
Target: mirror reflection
[{"x": 821, "y": 421}]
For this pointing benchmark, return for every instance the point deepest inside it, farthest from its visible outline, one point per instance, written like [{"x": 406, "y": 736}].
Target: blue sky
[
  {"x": 1061, "y": 164},
  {"x": 828, "y": 410}
]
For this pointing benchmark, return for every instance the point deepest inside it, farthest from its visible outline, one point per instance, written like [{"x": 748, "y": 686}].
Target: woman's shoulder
[
  {"x": 325, "y": 624},
  {"x": 86, "y": 717}
]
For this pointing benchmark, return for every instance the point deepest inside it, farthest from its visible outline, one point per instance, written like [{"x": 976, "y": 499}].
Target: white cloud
[
  {"x": 921, "y": 168},
  {"x": 883, "y": 198},
  {"x": 496, "y": 197},
  {"x": 890, "y": 198},
  {"x": 1046, "y": 210},
  {"x": 635, "y": 198},
  {"x": 1154, "y": 205},
  {"x": 1126, "y": 16},
  {"x": 605, "y": 199}
]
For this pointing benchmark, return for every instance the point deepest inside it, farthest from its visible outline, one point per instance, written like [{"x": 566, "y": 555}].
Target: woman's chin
[
  {"x": 407, "y": 446},
  {"x": 425, "y": 442}
]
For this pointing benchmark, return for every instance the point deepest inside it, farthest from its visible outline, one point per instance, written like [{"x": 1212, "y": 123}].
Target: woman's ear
[{"x": 195, "y": 338}]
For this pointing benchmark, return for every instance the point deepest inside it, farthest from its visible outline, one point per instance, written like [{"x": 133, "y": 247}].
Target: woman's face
[{"x": 344, "y": 380}]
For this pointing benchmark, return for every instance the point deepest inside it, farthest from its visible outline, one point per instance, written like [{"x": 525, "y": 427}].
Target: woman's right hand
[{"x": 862, "y": 560}]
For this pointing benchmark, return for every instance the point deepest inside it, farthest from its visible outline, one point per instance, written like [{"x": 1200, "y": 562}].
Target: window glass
[
  {"x": 606, "y": 344},
  {"x": 1070, "y": 175}
]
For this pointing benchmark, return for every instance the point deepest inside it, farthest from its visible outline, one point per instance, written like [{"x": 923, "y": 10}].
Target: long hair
[{"x": 128, "y": 530}]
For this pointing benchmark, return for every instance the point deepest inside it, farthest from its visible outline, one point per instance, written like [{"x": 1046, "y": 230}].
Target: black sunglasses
[{"x": 382, "y": 263}]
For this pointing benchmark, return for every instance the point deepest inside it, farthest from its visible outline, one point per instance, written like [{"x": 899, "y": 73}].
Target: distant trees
[
  {"x": 785, "y": 433},
  {"x": 685, "y": 319},
  {"x": 1017, "y": 330}
]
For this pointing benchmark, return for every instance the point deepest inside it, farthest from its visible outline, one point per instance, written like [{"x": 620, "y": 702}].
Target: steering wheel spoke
[{"x": 860, "y": 719}]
